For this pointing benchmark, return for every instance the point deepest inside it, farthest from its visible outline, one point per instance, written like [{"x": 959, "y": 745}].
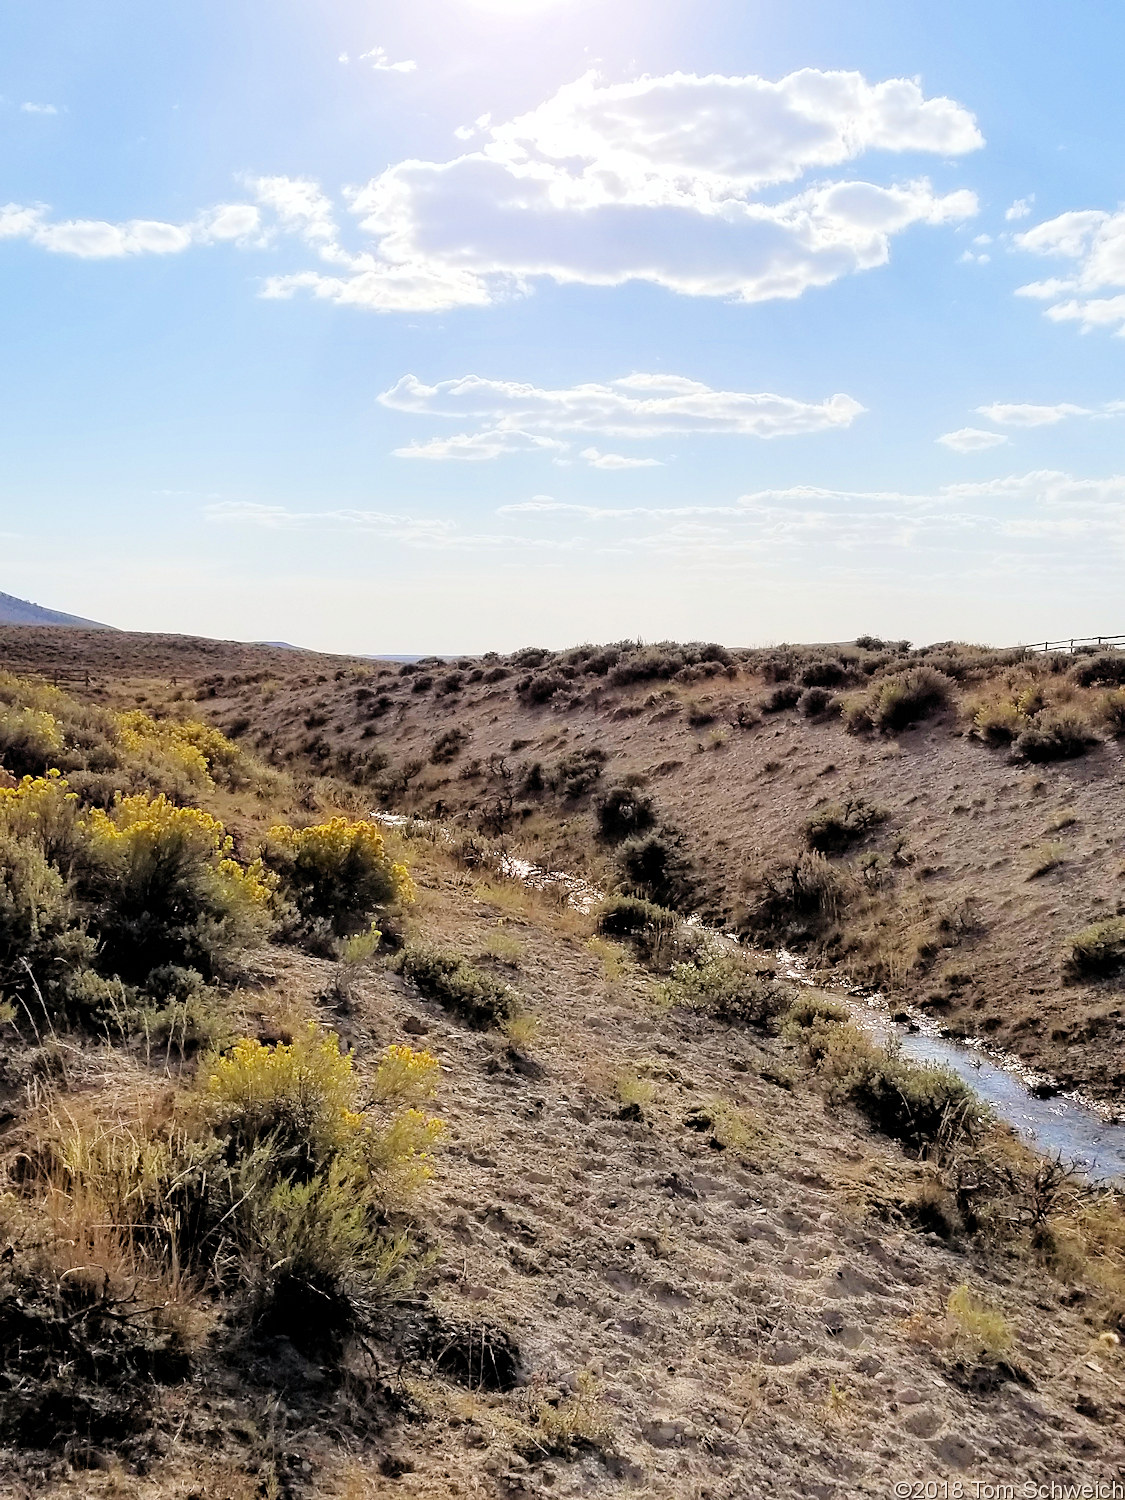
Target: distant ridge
[{"x": 15, "y": 611}]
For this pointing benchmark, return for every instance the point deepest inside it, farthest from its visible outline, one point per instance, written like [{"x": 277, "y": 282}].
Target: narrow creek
[{"x": 1056, "y": 1124}]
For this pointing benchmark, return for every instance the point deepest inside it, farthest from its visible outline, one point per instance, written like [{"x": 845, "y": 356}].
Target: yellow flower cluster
[
  {"x": 309, "y": 1079},
  {"x": 310, "y": 1083},
  {"x": 333, "y": 844},
  {"x": 141, "y": 827},
  {"x": 403, "y": 1073},
  {"x": 195, "y": 748},
  {"x": 34, "y": 725}
]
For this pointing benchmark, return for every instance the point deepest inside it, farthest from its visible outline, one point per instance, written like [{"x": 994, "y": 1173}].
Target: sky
[{"x": 472, "y": 324}]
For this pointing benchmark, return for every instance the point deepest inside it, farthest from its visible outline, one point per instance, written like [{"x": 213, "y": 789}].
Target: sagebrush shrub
[
  {"x": 1111, "y": 712},
  {"x": 926, "y": 1108},
  {"x": 815, "y": 701},
  {"x": 656, "y": 867},
  {"x": 1059, "y": 735},
  {"x": 1096, "y": 952},
  {"x": 797, "y": 899},
  {"x": 460, "y": 986},
  {"x": 1106, "y": 669},
  {"x": 622, "y": 811},
  {"x": 731, "y": 987},
  {"x": 838, "y": 825}
]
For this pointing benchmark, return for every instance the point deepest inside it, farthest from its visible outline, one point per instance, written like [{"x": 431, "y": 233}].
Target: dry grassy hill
[
  {"x": 988, "y": 857},
  {"x": 494, "y": 1202}
]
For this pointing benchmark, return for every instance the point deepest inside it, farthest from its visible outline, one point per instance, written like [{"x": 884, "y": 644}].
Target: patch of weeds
[
  {"x": 730, "y": 987},
  {"x": 1045, "y": 858},
  {"x": 1096, "y": 952},
  {"x": 838, "y": 825},
  {"x": 448, "y": 977},
  {"x": 978, "y": 1327}
]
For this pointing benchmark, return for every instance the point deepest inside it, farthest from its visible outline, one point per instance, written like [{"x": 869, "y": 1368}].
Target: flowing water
[{"x": 1056, "y": 1124}]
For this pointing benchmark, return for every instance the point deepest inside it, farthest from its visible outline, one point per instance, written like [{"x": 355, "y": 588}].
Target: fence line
[{"x": 1075, "y": 643}]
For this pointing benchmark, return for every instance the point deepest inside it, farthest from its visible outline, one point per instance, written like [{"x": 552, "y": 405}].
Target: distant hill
[{"x": 15, "y": 611}]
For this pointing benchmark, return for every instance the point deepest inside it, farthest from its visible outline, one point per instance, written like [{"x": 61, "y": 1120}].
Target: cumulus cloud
[
  {"x": 98, "y": 239},
  {"x": 679, "y": 181},
  {"x": 654, "y": 181},
  {"x": 38, "y": 109},
  {"x": 637, "y": 406},
  {"x": 480, "y": 446},
  {"x": 1026, "y": 414},
  {"x": 972, "y": 440},
  {"x": 1020, "y": 209},
  {"x": 1093, "y": 240}
]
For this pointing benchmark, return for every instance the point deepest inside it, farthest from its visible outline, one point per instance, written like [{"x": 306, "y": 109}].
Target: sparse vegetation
[
  {"x": 460, "y": 986},
  {"x": 838, "y": 825},
  {"x": 1096, "y": 952}
]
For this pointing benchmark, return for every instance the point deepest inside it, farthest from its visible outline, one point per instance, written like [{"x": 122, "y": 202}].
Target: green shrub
[
  {"x": 656, "y": 867},
  {"x": 731, "y": 987},
  {"x": 784, "y": 695},
  {"x": 625, "y": 916},
  {"x": 811, "y": 1019},
  {"x": 1096, "y": 951},
  {"x": 43, "y": 946},
  {"x": 623, "y": 811},
  {"x": 1111, "y": 712},
  {"x": 794, "y": 900},
  {"x": 928, "y": 1109},
  {"x": 899, "y": 701},
  {"x": 1059, "y": 735},
  {"x": 469, "y": 992},
  {"x": 1106, "y": 669},
  {"x": 814, "y": 702},
  {"x": 838, "y": 825},
  {"x": 448, "y": 746},
  {"x": 577, "y": 772}
]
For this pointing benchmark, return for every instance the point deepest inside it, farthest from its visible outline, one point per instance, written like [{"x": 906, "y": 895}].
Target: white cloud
[
  {"x": 1026, "y": 414},
  {"x": 1020, "y": 209},
  {"x": 637, "y": 405},
  {"x": 380, "y": 61},
  {"x": 479, "y": 446},
  {"x": 1094, "y": 240},
  {"x": 39, "y": 109},
  {"x": 654, "y": 181},
  {"x": 598, "y": 460},
  {"x": 971, "y": 440},
  {"x": 97, "y": 239}
]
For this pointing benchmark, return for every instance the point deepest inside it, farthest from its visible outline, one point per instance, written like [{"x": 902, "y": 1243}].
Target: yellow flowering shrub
[
  {"x": 404, "y": 1073},
  {"x": 302, "y": 1098},
  {"x": 30, "y": 738},
  {"x": 196, "y": 750},
  {"x": 303, "y": 1091},
  {"x": 336, "y": 874},
  {"x": 167, "y": 887},
  {"x": 44, "y": 810}
]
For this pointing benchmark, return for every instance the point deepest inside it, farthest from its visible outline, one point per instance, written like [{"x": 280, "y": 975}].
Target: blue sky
[{"x": 476, "y": 323}]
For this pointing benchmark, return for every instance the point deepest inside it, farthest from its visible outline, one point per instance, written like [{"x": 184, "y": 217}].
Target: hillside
[
  {"x": 507, "y": 1197},
  {"x": 985, "y": 858},
  {"x": 15, "y": 611}
]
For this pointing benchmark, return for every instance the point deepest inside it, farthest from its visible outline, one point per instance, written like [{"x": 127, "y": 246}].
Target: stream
[{"x": 1062, "y": 1125}]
